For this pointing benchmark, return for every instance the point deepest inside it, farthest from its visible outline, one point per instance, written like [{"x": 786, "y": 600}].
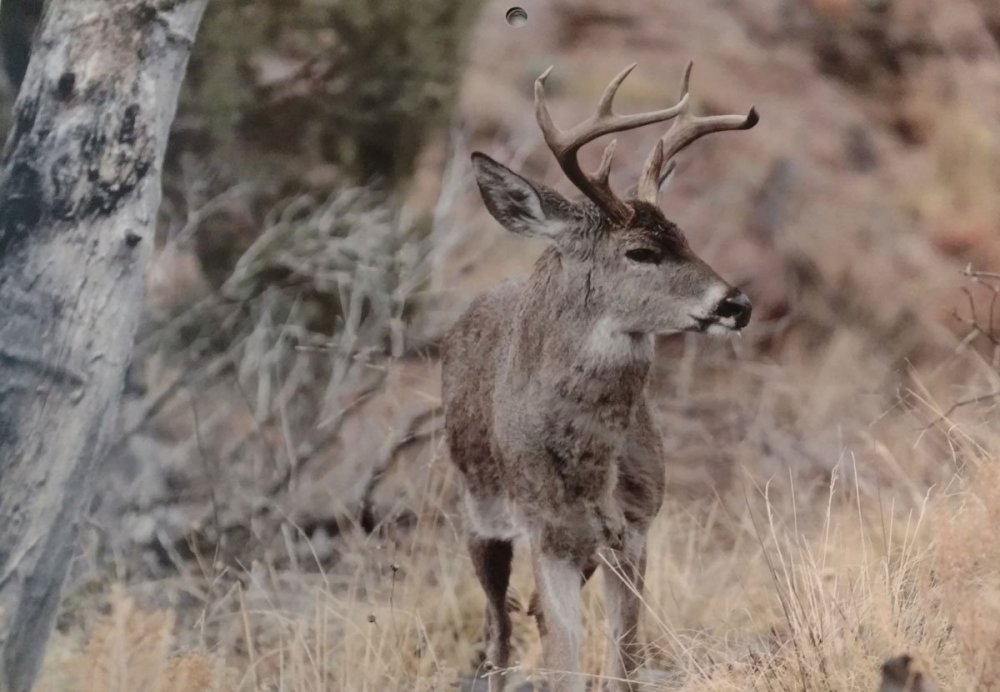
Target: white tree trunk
[{"x": 79, "y": 191}]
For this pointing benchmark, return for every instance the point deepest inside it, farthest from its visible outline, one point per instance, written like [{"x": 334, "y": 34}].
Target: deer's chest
[{"x": 583, "y": 430}]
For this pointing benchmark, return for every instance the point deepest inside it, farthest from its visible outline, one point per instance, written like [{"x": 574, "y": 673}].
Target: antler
[
  {"x": 685, "y": 130},
  {"x": 566, "y": 143}
]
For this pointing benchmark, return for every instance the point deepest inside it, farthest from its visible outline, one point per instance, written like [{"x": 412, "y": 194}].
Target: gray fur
[{"x": 546, "y": 416}]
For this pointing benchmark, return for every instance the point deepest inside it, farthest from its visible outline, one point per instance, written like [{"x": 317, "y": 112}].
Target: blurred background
[{"x": 277, "y": 510}]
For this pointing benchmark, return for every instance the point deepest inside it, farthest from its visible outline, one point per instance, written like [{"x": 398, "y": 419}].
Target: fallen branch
[{"x": 408, "y": 438}]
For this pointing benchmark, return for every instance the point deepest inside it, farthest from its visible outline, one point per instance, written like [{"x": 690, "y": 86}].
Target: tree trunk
[{"x": 79, "y": 191}]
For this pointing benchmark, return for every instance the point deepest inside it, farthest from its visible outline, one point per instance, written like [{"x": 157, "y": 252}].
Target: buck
[{"x": 544, "y": 378}]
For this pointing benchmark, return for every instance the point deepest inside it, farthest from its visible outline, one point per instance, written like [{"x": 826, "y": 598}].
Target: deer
[{"x": 543, "y": 383}]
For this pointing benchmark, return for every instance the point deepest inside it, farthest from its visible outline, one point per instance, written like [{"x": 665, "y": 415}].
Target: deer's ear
[{"x": 516, "y": 203}]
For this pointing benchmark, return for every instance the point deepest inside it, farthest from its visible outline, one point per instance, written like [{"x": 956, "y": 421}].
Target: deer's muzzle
[{"x": 733, "y": 310}]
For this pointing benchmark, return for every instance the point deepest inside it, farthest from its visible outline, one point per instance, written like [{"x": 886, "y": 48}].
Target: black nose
[{"x": 737, "y": 306}]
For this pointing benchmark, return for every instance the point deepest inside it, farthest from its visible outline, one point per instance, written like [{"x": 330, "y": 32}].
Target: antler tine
[
  {"x": 649, "y": 179},
  {"x": 603, "y": 172},
  {"x": 606, "y": 105},
  {"x": 566, "y": 143},
  {"x": 685, "y": 130}
]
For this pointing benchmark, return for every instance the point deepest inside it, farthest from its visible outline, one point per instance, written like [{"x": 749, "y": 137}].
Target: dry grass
[
  {"x": 805, "y": 578},
  {"x": 135, "y": 649}
]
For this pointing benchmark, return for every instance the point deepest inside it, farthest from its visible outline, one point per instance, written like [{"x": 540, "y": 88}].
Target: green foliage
[
  {"x": 399, "y": 63},
  {"x": 217, "y": 88},
  {"x": 367, "y": 81}
]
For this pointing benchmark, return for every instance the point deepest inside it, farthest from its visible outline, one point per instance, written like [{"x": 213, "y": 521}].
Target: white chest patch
[{"x": 608, "y": 344}]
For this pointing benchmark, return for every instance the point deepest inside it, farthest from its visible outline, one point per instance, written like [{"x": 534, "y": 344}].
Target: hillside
[{"x": 279, "y": 511}]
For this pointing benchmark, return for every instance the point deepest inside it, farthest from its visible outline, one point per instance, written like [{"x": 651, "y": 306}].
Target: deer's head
[{"x": 638, "y": 270}]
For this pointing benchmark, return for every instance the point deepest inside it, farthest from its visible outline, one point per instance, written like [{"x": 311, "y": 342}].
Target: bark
[{"x": 79, "y": 191}]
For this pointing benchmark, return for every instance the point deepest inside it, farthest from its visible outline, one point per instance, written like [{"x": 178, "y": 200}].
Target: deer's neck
[{"x": 565, "y": 342}]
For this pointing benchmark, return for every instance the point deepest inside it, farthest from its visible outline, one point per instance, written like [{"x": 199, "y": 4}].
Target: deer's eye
[{"x": 644, "y": 255}]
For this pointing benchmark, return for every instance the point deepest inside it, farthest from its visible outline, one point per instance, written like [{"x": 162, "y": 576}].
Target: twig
[
  {"x": 979, "y": 274},
  {"x": 982, "y": 398},
  {"x": 408, "y": 438},
  {"x": 206, "y": 370},
  {"x": 307, "y": 451},
  {"x": 208, "y": 472}
]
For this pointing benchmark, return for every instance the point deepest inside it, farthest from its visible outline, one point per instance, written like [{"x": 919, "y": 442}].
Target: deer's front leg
[
  {"x": 559, "y": 581},
  {"x": 623, "y": 582}
]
